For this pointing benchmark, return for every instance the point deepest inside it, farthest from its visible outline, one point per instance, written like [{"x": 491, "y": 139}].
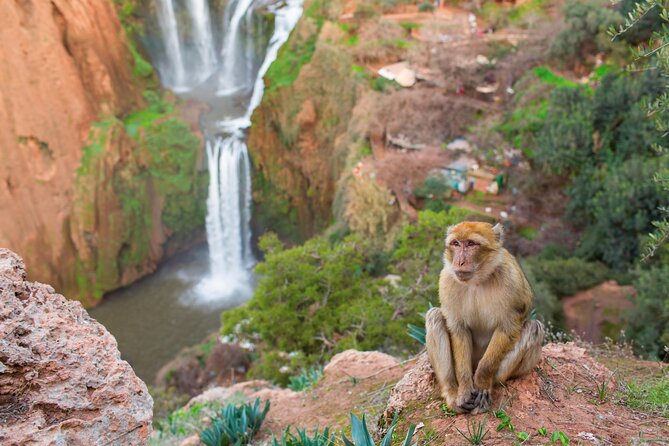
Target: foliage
[
  {"x": 616, "y": 204},
  {"x": 235, "y": 425},
  {"x": 426, "y": 6},
  {"x": 649, "y": 396},
  {"x": 435, "y": 190},
  {"x": 581, "y": 273},
  {"x": 545, "y": 302},
  {"x": 650, "y": 16},
  {"x": 585, "y": 24},
  {"x": 476, "y": 431},
  {"x": 648, "y": 321},
  {"x": 326, "y": 296},
  {"x": 601, "y": 141},
  {"x": 361, "y": 436},
  {"x": 306, "y": 379},
  {"x": 173, "y": 427},
  {"x": 368, "y": 206},
  {"x": 303, "y": 439}
]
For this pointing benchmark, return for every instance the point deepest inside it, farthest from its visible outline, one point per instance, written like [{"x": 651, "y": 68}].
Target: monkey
[{"x": 482, "y": 333}]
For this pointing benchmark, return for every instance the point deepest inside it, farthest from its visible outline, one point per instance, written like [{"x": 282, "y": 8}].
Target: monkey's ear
[
  {"x": 498, "y": 230},
  {"x": 448, "y": 231}
]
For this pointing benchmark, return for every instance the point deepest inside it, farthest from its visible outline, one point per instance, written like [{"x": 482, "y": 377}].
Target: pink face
[{"x": 464, "y": 257}]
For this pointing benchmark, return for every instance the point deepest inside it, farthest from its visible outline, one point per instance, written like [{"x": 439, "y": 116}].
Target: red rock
[{"x": 62, "y": 379}]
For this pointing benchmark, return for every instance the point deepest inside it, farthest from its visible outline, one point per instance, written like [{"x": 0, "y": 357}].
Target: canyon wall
[
  {"x": 297, "y": 138},
  {"x": 84, "y": 181}
]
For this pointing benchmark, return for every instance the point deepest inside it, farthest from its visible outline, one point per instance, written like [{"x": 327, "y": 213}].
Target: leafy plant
[
  {"x": 361, "y": 436},
  {"x": 476, "y": 431},
  {"x": 235, "y": 425},
  {"x": 560, "y": 436},
  {"x": 505, "y": 420},
  {"x": 306, "y": 378},
  {"x": 303, "y": 439}
]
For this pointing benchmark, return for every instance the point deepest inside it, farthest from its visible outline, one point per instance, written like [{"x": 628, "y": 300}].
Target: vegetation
[
  {"x": 235, "y": 425},
  {"x": 586, "y": 24},
  {"x": 361, "y": 436},
  {"x": 476, "y": 431},
  {"x": 303, "y": 439},
  {"x": 306, "y": 379}
]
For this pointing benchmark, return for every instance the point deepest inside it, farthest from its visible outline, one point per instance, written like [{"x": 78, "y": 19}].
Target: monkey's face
[{"x": 469, "y": 247}]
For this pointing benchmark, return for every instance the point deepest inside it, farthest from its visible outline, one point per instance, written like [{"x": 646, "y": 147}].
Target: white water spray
[
  {"x": 170, "y": 35},
  {"x": 204, "y": 38}
]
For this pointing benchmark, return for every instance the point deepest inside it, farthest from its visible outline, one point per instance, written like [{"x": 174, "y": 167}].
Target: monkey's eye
[
  {"x": 455, "y": 243},
  {"x": 471, "y": 243}
]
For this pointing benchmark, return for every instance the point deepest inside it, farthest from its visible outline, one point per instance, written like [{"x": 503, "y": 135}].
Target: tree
[{"x": 653, "y": 56}]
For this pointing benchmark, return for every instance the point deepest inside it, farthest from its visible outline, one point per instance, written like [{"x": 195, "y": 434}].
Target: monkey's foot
[{"x": 481, "y": 400}]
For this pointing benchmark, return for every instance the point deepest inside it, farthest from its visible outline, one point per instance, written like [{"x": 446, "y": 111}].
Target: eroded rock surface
[
  {"x": 62, "y": 380},
  {"x": 568, "y": 391}
]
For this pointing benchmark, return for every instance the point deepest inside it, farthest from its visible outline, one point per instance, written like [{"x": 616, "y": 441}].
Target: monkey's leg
[
  {"x": 438, "y": 343},
  {"x": 525, "y": 355}
]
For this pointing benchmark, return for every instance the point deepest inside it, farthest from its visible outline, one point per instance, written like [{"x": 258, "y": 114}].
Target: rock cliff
[
  {"x": 69, "y": 79},
  {"x": 62, "y": 380}
]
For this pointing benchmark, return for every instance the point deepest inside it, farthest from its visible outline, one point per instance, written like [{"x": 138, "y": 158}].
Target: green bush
[
  {"x": 617, "y": 205},
  {"x": 567, "y": 276},
  {"x": 235, "y": 425},
  {"x": 546, "y": 304},
  {"x": 426, "y": 6},
  {"x": 586, "y": 23},
  {"x": 648, "y": 321}
]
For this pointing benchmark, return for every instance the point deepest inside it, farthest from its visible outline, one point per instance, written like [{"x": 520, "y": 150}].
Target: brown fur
[{"x": 481, "y": 334}]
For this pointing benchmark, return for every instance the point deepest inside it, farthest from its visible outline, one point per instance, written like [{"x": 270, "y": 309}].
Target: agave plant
[
  {"x": 235, "y": 425},
  {"x": 303, "y": 439},
  {"x": 362, "y": 437},
  {"x": 305, "y": 379}
]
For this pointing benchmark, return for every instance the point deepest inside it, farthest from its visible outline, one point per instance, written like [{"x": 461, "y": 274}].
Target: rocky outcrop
[
  {"x": 67, "y": 77},
  {"x": 568, "y": 391},
  {"x": 62, "y": 380}
]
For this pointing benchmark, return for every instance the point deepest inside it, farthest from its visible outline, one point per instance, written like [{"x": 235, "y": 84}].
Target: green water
[{"x": 156, "y": 317}]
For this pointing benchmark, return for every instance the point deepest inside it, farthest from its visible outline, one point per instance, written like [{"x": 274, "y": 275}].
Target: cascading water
[
  {"x": 170, "y": 35},
  {"x": 238, "y": 80}
]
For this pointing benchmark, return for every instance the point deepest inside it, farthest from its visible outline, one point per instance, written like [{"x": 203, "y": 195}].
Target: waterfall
[
  {"x": 170, "y": 36},
  {"x": 238, "y": 91},
  {"x": 204, "y": 39},
  {"x": 233, "y": 76}
]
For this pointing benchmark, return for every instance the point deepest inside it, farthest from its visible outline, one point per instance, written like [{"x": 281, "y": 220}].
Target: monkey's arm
[
  {"x": 500, "y": 345},
  {"x": 462, "y": 356}
]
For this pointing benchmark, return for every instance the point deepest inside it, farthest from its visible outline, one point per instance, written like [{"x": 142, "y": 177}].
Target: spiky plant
[
  {"x": 235, "y": 425},
  {"x": 362, "y": 437},
  {"x": 303, "y": 439}
]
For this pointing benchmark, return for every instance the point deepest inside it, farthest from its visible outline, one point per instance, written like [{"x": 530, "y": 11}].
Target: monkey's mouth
[{"x": 464, "y": 275}]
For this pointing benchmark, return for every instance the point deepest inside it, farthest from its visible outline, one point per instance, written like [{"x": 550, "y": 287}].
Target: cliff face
[
  {"x": 295, "y": 140},
  {"x": 67, "y": 76},
  {"x": 62, "y": 380}
]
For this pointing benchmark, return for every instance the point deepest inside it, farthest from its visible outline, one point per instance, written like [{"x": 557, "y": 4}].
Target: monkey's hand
[
  {"x": 466, "y": 400},
  {"x": 481, "y": 400}
]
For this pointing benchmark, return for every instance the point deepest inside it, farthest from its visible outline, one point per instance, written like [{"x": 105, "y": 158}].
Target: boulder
[{"x": 62, "y": 379}]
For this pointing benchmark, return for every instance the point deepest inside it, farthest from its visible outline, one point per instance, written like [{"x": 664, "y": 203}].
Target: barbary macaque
[{"x": 482, "y": 334}]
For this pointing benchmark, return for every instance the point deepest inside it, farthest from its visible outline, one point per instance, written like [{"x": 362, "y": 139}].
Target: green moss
[
  {"x": 546, "y": 75},
  {"x": 292, "y": 57}
]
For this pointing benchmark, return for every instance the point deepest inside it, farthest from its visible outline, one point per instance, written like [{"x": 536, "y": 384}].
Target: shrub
[
  {"x": 648, "y": 321},
  {"x": 565, "y": 277},
  {"x": 586, "y": 23},
  {"x": 426, "y": 6},
  {"x": 235, "y": 425}
]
